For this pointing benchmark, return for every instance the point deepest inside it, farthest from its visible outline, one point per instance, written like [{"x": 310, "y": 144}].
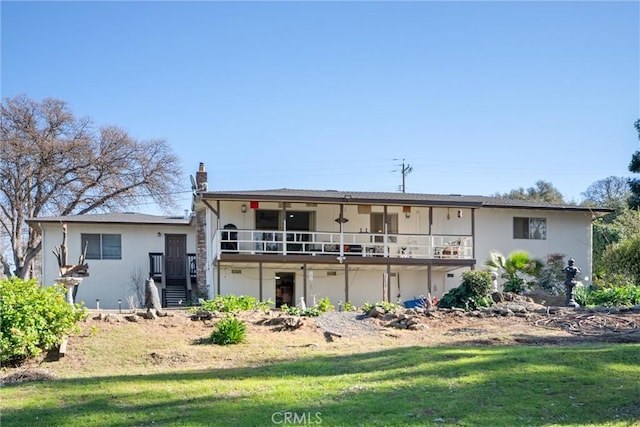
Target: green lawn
[{"x": 469, "y": 386}]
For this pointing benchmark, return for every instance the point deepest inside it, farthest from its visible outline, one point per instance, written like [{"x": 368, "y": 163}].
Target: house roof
[
  {"x": 396, "y": 198},
  {"x": 115, "y": 218}
]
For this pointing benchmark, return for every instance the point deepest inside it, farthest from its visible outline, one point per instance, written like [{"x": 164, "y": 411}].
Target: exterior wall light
[{"x": 243, "y": 208}]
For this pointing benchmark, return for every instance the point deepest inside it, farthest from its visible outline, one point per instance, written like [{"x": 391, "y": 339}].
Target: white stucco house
[
  {"x": 365, "y": 246},
  {"x": 287, "y": 244},
  {"x": 123, "y": 250}
]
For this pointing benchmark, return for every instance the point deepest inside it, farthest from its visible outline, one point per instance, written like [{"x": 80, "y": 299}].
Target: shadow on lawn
[{"x": 508, "y": 385}]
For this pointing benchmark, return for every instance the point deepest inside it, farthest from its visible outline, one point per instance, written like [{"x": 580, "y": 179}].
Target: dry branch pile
[{"x": 592, "y": 324}]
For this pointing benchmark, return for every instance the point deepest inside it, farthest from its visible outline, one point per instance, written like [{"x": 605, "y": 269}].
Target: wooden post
[{"x": 346, "y": 283}]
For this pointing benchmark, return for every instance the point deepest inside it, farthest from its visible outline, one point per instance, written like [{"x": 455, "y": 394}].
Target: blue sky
[{"x": 479, "y": 97}]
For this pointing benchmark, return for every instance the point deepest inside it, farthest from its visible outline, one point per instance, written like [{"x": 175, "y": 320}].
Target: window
[
  {"x": 377, "y": 225},
  {"x": 102, "y": 246},
  {"x": 530, "y": 228},
  {"x": 267, "y": 219}
]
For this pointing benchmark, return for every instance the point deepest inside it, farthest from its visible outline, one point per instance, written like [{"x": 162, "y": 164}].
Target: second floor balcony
[{"x": 274, "y": 242}]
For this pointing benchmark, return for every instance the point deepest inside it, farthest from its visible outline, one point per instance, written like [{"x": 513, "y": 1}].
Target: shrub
[
  {"x": 296, "y": 311},
  {"x": 229, "y": 330},
  {"x": 512, "y": 268},
  {"x": 34, "y": 318},
  {"x": 321, "y": 306},
  {"x": 515, "y": 284},
  {"x": 582, "y": 295},
  {"x": 234, "y": 304},
  {"x": 383, "y": 306},
  {"x": 615, "y": 296},
  {"x": 325, "y": 305},
  {"x": 472, "y": 293},
  {"x": 623, "y": 260},
  {"x": 551, "y": 278}
]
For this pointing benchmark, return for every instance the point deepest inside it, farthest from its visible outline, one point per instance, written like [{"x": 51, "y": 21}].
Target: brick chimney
[
  {"x": 201, "y": 178},
  {"x": 201, "y": 237}
]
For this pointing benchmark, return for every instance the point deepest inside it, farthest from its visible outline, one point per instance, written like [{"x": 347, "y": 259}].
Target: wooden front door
[{"x": 175, "y": 249}]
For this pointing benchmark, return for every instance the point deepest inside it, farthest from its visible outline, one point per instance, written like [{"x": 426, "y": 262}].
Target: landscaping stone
[
  {"x": 376, "y": 312},
  {"x": 108, "y": 317}
]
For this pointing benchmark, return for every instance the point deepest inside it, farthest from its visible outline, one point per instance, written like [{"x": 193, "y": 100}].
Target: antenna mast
[{"x": 406, "y": 170}]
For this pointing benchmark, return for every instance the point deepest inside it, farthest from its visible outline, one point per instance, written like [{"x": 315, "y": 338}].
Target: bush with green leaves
[
  {"x": 622, "y": 261},
  {"x": 582, "y": 295},
  {"x": 322, "y": 306},
  {"x": 624, "y": 296},
  {"x": 385, "y": 307},
  {"x": 472, "y": 293},
  {"x": 33, "y": 318},
  {"x": 234, "y": 304},
  {"x": 229, "y": 330},
  {"x": 513, "y": 267},
  {"x": 551, "y": 277},
  {"x": 325, "y": 305}
]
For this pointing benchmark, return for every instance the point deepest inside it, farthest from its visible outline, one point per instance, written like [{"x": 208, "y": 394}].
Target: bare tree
[
  {"x": 137, "y": 285},
  {"x": 612, "y": 192},
  {"x": 53, "y": 163}
]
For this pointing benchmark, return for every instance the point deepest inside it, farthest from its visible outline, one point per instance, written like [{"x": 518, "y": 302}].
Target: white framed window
[
  {"x": 530, "y": 228},
  {"x": 102, "y": 246}
]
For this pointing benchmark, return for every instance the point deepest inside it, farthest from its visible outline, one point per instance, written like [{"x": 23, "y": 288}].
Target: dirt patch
[
  {"x": 176, "y": 342},
  {"x": 26, "y": 374}
]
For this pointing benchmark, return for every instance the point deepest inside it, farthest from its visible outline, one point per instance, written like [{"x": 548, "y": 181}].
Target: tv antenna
[{"x": 406, "y": 170}]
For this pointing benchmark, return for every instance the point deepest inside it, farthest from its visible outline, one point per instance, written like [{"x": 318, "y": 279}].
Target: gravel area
[{"x": 347, "y": 323}]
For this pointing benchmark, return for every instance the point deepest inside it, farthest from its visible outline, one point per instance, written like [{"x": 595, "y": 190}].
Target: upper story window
[
  {"x": 530, "y": 228},
  {"x": 378, "y": 225},
  {"x": 102, "y": 246}
]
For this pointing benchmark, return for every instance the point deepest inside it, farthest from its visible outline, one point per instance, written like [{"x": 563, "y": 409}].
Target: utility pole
[{"x": 406, "y": 170}]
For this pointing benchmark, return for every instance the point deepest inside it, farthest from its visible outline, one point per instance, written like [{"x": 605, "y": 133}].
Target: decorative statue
[{"x": 571, "y": 271}]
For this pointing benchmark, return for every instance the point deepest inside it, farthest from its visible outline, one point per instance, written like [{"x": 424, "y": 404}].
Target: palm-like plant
[{"x": 510, "y": 267}]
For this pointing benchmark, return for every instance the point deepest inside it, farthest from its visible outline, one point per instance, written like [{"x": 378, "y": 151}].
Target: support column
[
  {"x": 346, "y": 283},
  {"x": 304, "y": 282},
  {"x": 260, "y": 281},
  {"x": 218, "y": 285},
  {"x": 388, "y": 282}
]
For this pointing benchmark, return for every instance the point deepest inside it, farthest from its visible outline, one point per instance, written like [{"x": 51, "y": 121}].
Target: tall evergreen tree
[{"x": 634, "y": 166}]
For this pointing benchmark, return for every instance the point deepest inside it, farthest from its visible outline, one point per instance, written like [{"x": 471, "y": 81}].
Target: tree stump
[{"x": 152, "y": 300}]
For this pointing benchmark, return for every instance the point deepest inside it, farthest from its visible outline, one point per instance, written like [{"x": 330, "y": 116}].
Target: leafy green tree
[
  {"x": 634, "y": 166},
  {"x": 629, "y": 222},
  {"x": 515, "y": 268},
  {"x": 616, "y": 256},
  {"x": 605, "y": 233},
  {"x": 543, "y": 191},
  {"x": 621, "y": 263}
]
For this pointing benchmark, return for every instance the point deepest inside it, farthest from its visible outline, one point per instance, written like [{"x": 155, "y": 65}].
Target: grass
[
  {"x": 490, "y": 386},
  {"x": 161, "y": 373}
]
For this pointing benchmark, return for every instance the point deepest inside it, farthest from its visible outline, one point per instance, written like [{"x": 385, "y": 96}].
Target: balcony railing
[
  {"x": 256, "y": 242},
  {"x": 156, "y": 266}
]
